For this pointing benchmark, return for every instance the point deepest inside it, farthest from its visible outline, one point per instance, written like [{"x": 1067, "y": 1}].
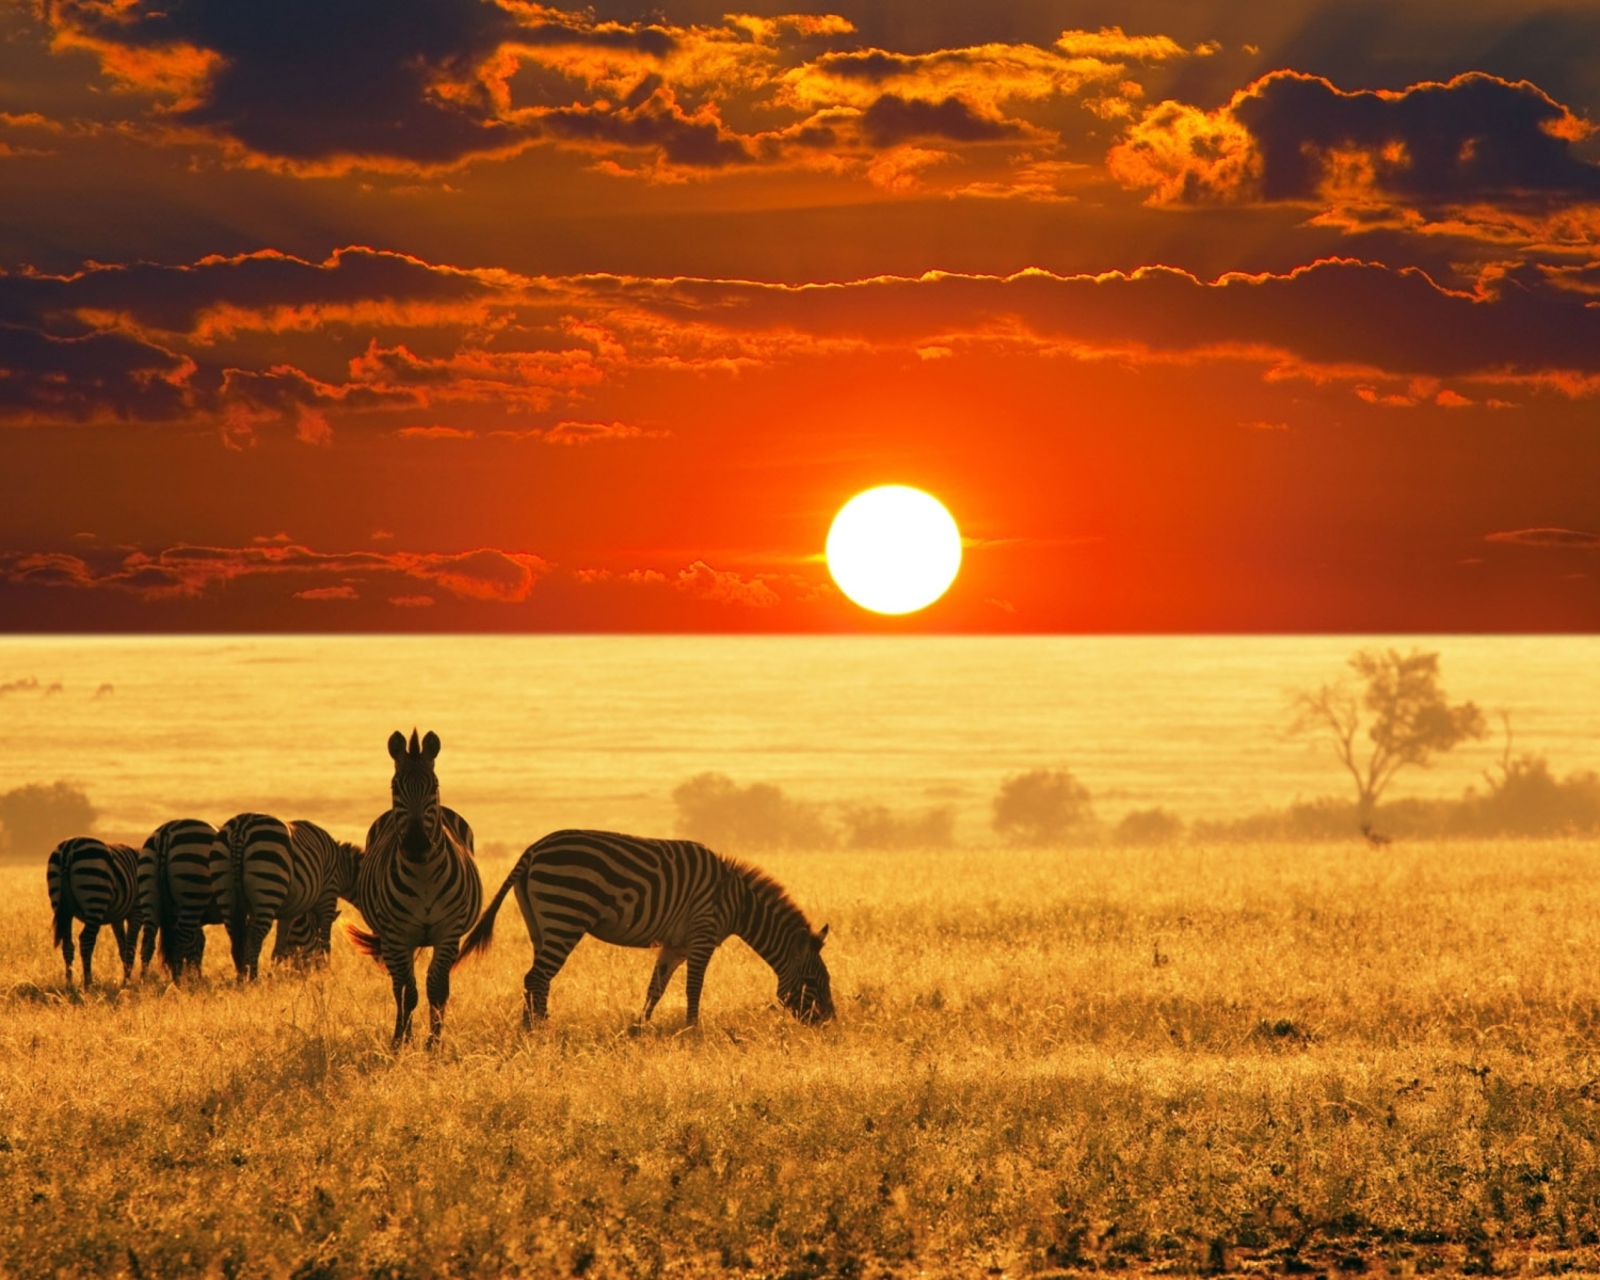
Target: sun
[{"x": 894, "y": 549}]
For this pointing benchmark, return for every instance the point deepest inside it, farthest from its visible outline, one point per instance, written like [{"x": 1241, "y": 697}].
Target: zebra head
[
  {"x": 415, "y": 792},
  {"x": 803, "y": 983}
]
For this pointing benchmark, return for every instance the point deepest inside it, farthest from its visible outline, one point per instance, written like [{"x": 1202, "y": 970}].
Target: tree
[
  {"x": 36, "y": 818},
  {"x": 1041, "y": 807},
  {"x": 715, "y": 810},
  {"x": 1411, "y": 720}
]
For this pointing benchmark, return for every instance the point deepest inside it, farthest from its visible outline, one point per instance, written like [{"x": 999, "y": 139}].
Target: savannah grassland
[{"x": 1318, "y": 1059}]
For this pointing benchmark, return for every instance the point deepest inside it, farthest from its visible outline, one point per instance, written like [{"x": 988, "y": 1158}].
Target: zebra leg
[
  {"x": 126, "y": 942},
  {"x": 403, "y": 975},
  {"x": 147, "y": 948},
  {"x": 700, "y": 950},
  {"x": 67, "y": 951},
  {"x": 666, "y": 965},
  {"x": 86, "y": 942},
  {"x": 444, "y": 956},
  {"x": 255, "y": 937},
  {"x": 547, "y": 962}
]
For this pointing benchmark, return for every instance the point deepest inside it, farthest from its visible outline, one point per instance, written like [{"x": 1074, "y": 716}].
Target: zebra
[
  {"x": 98, "y": 883},
  {"x": 176, "y": 893},
  {"x": 675, "y": 894},
  {"x": 418, "y": 885},
  {"x": 263, "y": 870}
]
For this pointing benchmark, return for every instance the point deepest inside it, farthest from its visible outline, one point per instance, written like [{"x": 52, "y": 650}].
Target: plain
[{"x": 1260, "y": 1057}]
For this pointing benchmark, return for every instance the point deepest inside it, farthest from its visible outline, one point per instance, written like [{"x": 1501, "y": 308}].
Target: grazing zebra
[
  {"x": 674, "y": 894},
  {"x": 265, "y": 870},
  {"x": 99, "y": 884},
  {"x": 418, "y": 885},
  {"x": 176, "y": 893}
]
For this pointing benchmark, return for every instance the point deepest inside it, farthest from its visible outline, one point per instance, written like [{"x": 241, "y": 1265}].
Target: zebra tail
[
  {"x": 237, "y": 924},
  {"x": 479, "y": 939},
  {"x": 166, "y": 910},
  {"x": 65, "y": 903},
  {"x": 364, "y": 942}
]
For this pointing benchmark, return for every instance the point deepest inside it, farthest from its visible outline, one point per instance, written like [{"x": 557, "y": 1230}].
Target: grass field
[{"x": 1316, "y": 1059}]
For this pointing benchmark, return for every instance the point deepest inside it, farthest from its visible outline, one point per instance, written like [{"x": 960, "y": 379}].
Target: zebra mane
[{"x": 768, "y": 890}]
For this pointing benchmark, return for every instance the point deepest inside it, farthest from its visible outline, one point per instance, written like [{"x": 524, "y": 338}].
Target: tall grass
[{"x": 1192, "y": 1059}]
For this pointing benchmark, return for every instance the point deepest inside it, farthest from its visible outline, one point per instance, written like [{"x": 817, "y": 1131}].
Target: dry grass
[{"x": 1284, "y": 1058}]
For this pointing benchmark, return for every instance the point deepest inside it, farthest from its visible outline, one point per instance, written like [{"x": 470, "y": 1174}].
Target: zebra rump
[
  {"x": 264, "y": 871},
  {"x": 97, "y": 883},
  {"x": 176, "y": 893}
]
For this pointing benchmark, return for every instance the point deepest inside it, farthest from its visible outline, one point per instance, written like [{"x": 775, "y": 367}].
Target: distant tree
[
  {"x": 1043, "y": 807},
  {"x": 36, "y": 818},
  {"x": 876, "y": 826},
  {"x": 1407, "y": 716},
  {"x": 1148, "y": 826},
  {"x": 717, "y": 811}
]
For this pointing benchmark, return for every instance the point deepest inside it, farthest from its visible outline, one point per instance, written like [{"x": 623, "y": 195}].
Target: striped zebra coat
[
  {"x": 176, "y": 893},
  {"x": 97, "y": 883},
  {"x": 265, "y": 871},
  {"x": 418, "y": 885},
  {"x": 674, "y": 894}
]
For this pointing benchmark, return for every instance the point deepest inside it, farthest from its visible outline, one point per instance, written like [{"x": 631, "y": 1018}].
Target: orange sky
[{"x": 466, "y": 315}]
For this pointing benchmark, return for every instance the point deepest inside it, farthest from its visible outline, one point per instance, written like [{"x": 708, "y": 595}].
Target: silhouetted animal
[
  {"x": 97, "y": 883},
  {"x": 1375, "y": 838},
  {"x": 265, "y": 871},
  {"x": 418, "y": 885},
  {"x": 176, "y": 893},
  {"x": 674, "y": 894}
]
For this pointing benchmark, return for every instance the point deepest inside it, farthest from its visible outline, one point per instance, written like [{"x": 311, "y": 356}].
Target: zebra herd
[{"x": 416, "y": 884}]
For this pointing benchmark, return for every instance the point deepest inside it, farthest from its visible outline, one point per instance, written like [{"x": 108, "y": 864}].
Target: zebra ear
[
  {"x": 430, "y": 745},
  {"x": 820, "y": 938},
  {"x": 397, "y": 744}
]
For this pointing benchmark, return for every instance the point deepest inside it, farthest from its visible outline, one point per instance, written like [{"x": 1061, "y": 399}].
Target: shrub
[
  {"x": 876, "y": 826},
  {"x": 1046, "y": 806},
  {"x": 1149, "y": 826},
  {"x": 36, "y": 818},
  {"x": 715, "y": 810}
]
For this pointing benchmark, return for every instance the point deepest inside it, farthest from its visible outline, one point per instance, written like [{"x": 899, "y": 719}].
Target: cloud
[
  {"x": 423, "y": 86},
  {"x": 703, "y": 582},
  {"x": 435, "y": 433},
  {"x": 328, "y": 593},
  {"x": 1476, "y": 155},
  {"x": 1562, "y": 538},
  {"x": 570, "y": 433},
  {"x": 188, "y": 571}
]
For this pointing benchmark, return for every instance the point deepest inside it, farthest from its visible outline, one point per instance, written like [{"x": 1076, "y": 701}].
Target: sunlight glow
[{"x": 894, "y": 549}]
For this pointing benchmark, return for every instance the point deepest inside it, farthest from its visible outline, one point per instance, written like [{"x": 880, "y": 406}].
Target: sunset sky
[{"x": 441, "y": 315}]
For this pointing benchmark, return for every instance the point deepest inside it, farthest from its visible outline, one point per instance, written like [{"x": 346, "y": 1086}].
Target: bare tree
[{"x": 1408, "y": 720}]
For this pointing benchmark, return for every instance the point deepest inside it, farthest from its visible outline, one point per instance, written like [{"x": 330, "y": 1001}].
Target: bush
[
  {"x": 876, "y": 826},
  {"x": 716, "y": 811},
  {"x": 1046, "y": 806},
  {"x": 1149, "y": 826},
  {"x": 1527, "y": 800},
  {"x": 36, "y": 818}
]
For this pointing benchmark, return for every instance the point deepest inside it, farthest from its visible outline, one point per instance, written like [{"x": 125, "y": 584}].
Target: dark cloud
[
  {"x": 656, "y": 123},
  {"x": 1564, "y": 538},
  {"x": 97, "y": 375},
  {"x": 1476, "y": 156},
  {"x": 893, "y": 119},
  {"x": 265, "y": 290},
  {"x": 1475, "y": 137},
  {"x": 186, "y": 571},
  {"x": 313, "y": 81}
]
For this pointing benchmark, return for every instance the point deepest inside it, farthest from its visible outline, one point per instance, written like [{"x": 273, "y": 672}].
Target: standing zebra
[
  {"x": 176, "y": 893},
  {"x": 264, "y": 870},
  {"x": 641, "y": 893},
  {"x": 418, "y": 884},
  {"x": 99, "y": 884}
]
